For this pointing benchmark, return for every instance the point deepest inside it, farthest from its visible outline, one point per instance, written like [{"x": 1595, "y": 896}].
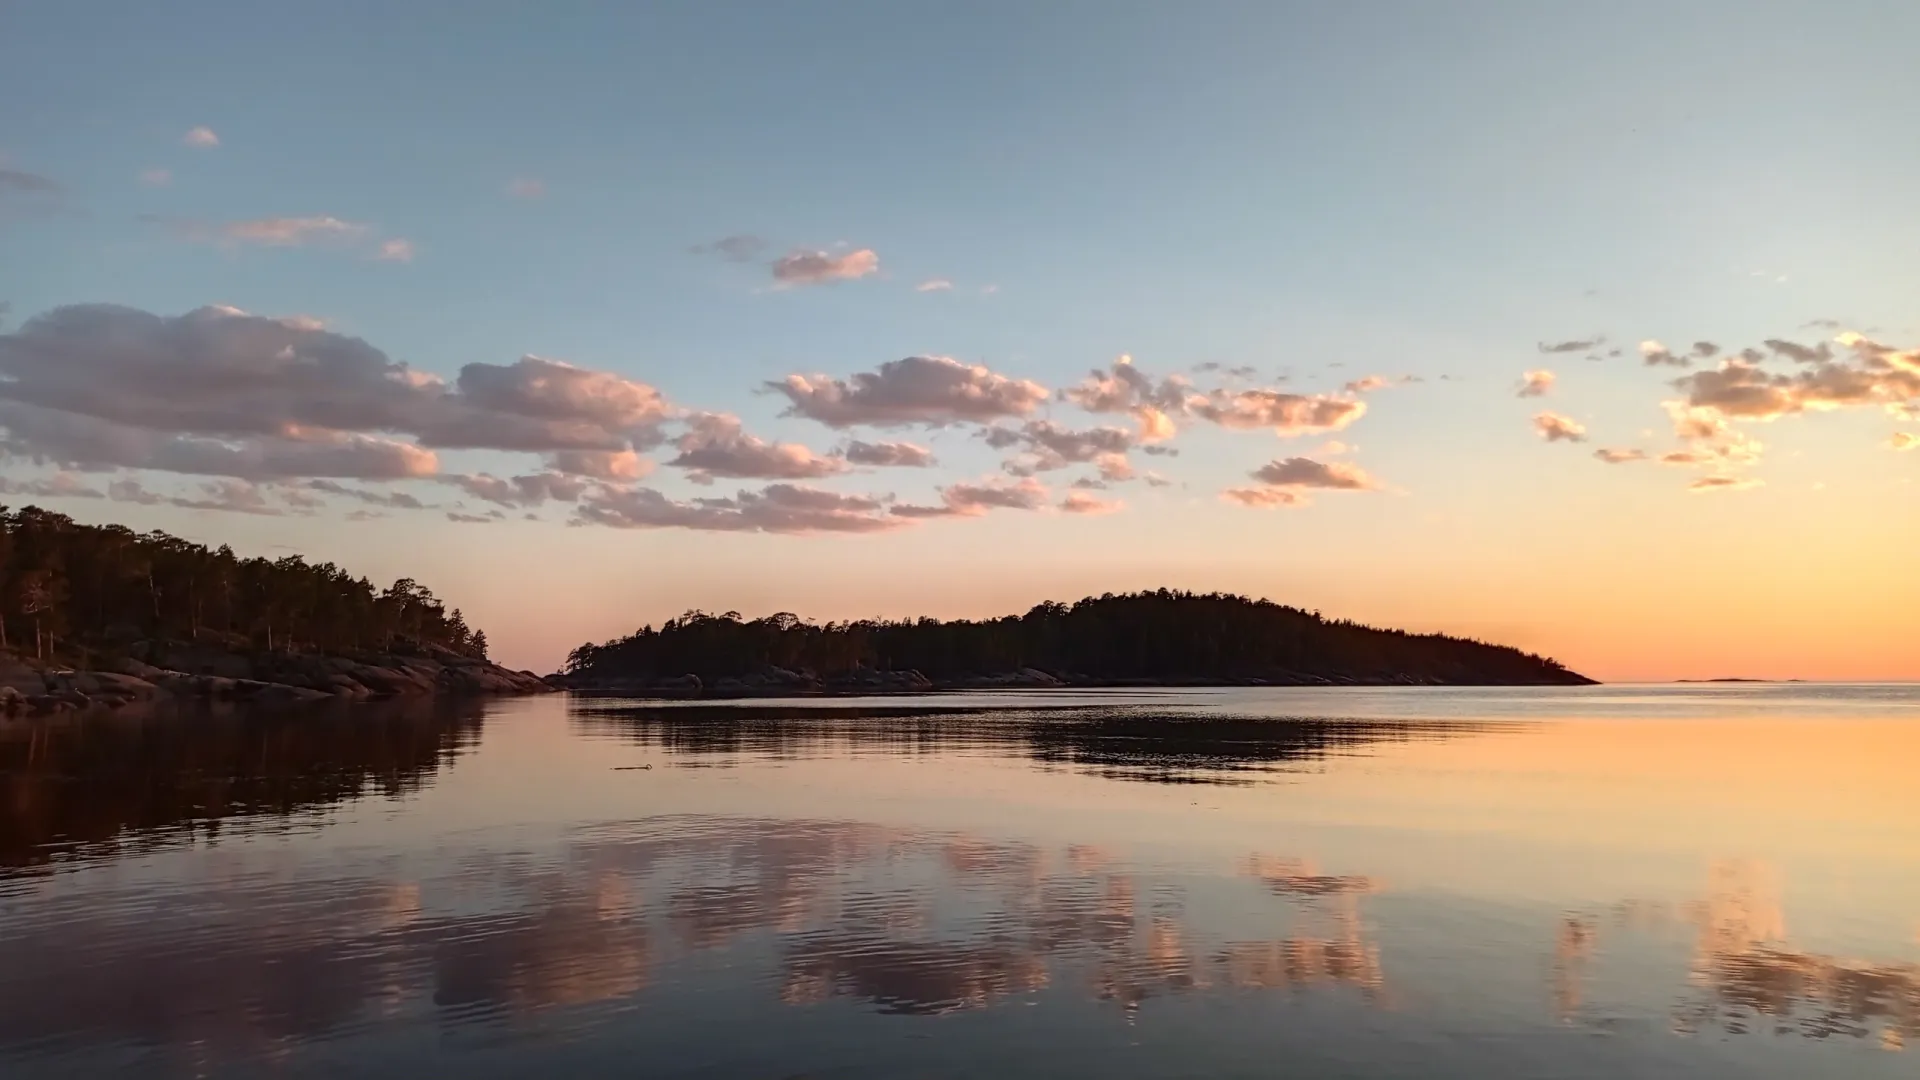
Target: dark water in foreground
[{"x": 1609, "y": 881}]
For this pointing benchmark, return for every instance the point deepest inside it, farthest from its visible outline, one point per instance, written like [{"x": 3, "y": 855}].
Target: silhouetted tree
[
  {"x": 1149, "y": 635},
  {"x": 92, "y": 588}
]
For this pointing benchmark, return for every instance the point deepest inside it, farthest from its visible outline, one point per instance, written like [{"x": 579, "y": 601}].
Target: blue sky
[{"x": 1325, "y": 191}]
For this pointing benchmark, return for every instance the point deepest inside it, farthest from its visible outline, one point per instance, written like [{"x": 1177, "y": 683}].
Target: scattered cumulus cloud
[
  {"x": 222, "y": 393},
  {"x": 889, "y": 454},
  {"x": 919, "y": 390},
  {"x": 799, "y": 268},
  {"x": 1654, "y": 354},
  {"x": 1576, "y": 345},
  {"x": 1124, "y": 389},
  {"x": 1047, "y": 446},
  {"x": 1080, "y": 502},
  {"x": 934, "y": 285},
  {"x": 1903, "y": 440},
  {"x": 1287, "y": 414},
  {"x": 533, "y": 489},
  {"x": 617, "y": 466},
  {"x": 200, "y": 138},
  {"x": 716, "y": 446},
  {"x": 395, "y": 250},
  {"x": 1263, "y": 498},
  {"x": 1556, "y": 428},
  {"x": 974, "y": 499},
  {"x": 156, "y": 177},
  {"x": 1723, "y": 483},
  {"x": 1536, "y": 383},
  {"x": 1614, "y": 456},
  {"x": 778, "y": 508},
  {"x": 1308, "y": 473}
]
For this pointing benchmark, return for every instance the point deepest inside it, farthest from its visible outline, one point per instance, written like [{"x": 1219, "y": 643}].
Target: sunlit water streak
[{"x": 1687, "y": 881}]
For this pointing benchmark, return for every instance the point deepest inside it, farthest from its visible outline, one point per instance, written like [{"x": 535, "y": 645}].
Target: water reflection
[
  {"x": 1146, "y": 743},
  {"x": 908, "y": 922},
  {"x": 106, "y": 784},
  {"x": 1745, "y": 974}
]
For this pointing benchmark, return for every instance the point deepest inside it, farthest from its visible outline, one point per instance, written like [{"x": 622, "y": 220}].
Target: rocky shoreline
[{"x": 188, "y": 673}]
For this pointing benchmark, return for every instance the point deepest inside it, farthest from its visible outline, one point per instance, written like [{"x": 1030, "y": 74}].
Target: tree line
[
  {"x": 1163, "y": 634},
  {"x": 74, "y": 592}
]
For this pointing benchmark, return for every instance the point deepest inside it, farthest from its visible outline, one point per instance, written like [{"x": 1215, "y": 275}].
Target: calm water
[{"x": 1609, "y": 881}]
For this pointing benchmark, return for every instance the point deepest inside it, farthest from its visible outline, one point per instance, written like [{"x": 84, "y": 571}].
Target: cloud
[
  {"x": 398, "y": 500},
  {"x": 1798, "y": 353},
  {"x": 1308, "y": 473},
  {"x": 1654, "y": 354},
  {"x": 1026, "y": 494},
  {"x": 928, "y": 390},
  {"x": 1556, "y": 428},
  {"x": 612, "y": 465},
  {"x": 1287, "y": 414},
  {"x": 1154, "y": 479},
  {"x": 1873, "y": 374},
  {"x": 1087, "y": 483},
  {"x": 156, "y": 177},
  {"x": 291, "y": 231},
  {"x": 1903, "y": 440},
  {"x": 715, "y": 446},
  {"x": 1124, "y": 389},
  {"x": 778, "y": 508},
  {"x": 889, "y": 454},
  {"x": 1263, "y": 498},
  {"x": 1577, "y": 345},
  {"x": 1619, "y": 457},
  {"x": 90, "y": 444},
  {"x": 1705, "y": 350},
  {"x": 1723, "y": 483},
  {"x": 475, "y": 519},
  {"x": 1161, "y": 451},
  {"x": 201, "y": 138},
  {"x": 226, "y": 496},
  {"x": 1288, "y": 480},
  {"x": 737, "y": 248},
  {"x": 1367, "y": 384},
  {"x": 320, "y": 231},
  {"x": 1079, "y": 502},
  {"x": 531, "y": 490},
  {"x": 1050, "y": 446},
  {"x": 58, "y": 486},
  {"x": 526, "y": 187},
  {"x": 934, "y": 285},
  {"x": 1114, "y": 468},
  {"x": 1536, "y": 383},
  {"x": 974, "y": 499},
  {"x": 798, "y": 268},
  {"x": 220, "y": 392}
]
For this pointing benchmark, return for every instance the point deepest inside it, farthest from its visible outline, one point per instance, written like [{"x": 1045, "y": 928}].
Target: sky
[{"x": 1587, "y": 330}]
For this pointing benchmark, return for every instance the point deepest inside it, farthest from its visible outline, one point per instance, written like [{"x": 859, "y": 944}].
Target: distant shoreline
[{"x": 727, "y": 690}]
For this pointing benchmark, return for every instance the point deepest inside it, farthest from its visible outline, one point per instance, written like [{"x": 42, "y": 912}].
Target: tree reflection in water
[{"x": 1116, "y": 742}]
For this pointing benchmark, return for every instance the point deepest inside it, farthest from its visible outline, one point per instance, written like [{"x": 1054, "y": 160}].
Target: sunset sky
[{"x": 1588, "y": 330}]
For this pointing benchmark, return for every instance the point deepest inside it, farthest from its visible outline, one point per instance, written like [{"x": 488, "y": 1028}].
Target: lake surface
[{"x": 1693, "y": 881}]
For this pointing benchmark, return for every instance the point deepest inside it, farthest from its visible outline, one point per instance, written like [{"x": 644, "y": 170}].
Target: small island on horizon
[{"x": 1158, "y": 638}]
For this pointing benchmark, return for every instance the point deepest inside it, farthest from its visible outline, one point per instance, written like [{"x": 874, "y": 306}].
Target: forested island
[
  {"x": 102, "y": 615},
  {"x": 1147, "y": 638}
]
